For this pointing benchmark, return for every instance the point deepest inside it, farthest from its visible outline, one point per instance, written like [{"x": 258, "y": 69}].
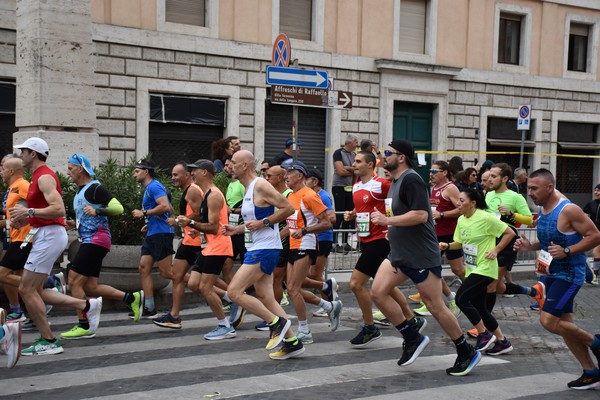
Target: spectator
[
  {"x": 592, "y": 209},
  {"x": 520, "y": 178},
  {"x": 469, "y": 180},
  {"x": 235, "y": 142},
  {"x": 287, "y": 156},
  {"x": 221, "y": 149},
  {"x": 264, "y": 168},
  {"x": 486, "y": 166},
  {"x": 456, "y": 168},
  {"x": 342, "y": 188},
  {"x": 369, "y": 145}
]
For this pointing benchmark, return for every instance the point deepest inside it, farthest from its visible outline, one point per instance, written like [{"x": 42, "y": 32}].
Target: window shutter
[
  {"x": 188, "y": 12},
  {"x": 580, "y": 29},
  {"x": 295, "y": 18},
  {"x": 413, "y": 17}
]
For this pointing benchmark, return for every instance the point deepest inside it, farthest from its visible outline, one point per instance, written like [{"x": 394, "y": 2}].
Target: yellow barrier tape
[{"x": 506, "y": 152}]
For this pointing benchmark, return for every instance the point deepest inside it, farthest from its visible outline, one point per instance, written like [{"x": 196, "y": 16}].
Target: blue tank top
[
  {"x": 572, "y": 268},
  {"x": 93, "y": 229}
]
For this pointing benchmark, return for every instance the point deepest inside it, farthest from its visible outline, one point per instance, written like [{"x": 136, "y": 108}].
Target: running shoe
[
  {"x": 485, "y": 340},
  {"x": 415, "y": 297},
  {"x": 595, "y": 280},
  {"x": 334, "y": 314},
  {"x": 2, "y": 316},
  {"x": 320, "y": 313},
  {"x": 474, "y": 333},
  {"x": 93, "y": 314},
  {"x": 420, "y": 324},
  {"x": 463, "y": 365},
  {"x": 167, "y": 321},
  {"x": 331, "y": 291},
  {"x": 42, "y": 347},
  {"x": 11, "y": 342},
  {"x": 305, "y": 338},
  {"x": 59, "y": 283},
  {"x": 454, "y": 308},
  {"x": 236, "y": 317},
  {"x": 422, "y": 311},
  {"x": 585, "y": 381},
  {"x": 535, "y": 306},
  {"x": 292, "y": 347},
  {"x": 137, "y": 306},
  {"x": 366, "y": 336},
  {"x": 278, "y": 331},
  {"x": 261, "y": 326},
  {"x": 146, "y": 314},
  {"x": 596, "y": 352},
  {"x": 410, "y": 351},
  {"x": 16, "y": 317},
  {"x": 508, "y": 296},
  {"x": 227, "y": 307},
  {"x": 77, "y": 332},
  {"x": 284, "y": 300},
  {"x": 221, "y": 332},
  {"x": 500, "y": 347},
  {"x": 540, "y": 294},
  {"x": 380, "y": 319}
]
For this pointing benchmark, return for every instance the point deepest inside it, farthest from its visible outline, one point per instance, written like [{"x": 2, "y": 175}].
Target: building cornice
[{"x": 414, "y": 67}]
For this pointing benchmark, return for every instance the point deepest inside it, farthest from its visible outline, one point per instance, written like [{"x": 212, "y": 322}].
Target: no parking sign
[{"x": 524, "y": 119}]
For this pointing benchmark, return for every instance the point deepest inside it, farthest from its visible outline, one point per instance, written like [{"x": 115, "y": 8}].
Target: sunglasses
[
  {"x": 434, "y": 171},
  {"x": 79, "y": 159},
  {"x": 388, "y": 153}
]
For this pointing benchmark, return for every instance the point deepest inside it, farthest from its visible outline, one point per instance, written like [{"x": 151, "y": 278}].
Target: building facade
[{"x": 170, "y": 76}]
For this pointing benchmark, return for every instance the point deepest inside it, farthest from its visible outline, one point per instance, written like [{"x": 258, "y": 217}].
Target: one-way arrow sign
[{"x": 286, "y": 76}]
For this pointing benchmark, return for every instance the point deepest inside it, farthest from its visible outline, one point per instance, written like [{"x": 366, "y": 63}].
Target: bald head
[
  {"x": 243, "y": 156},
  {"x": 14, "y": 163}
]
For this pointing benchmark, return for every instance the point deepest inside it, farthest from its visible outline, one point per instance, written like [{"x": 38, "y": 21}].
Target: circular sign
[
  {"x": 524, "y": 112},
  {"x": 282, "y": 51}
]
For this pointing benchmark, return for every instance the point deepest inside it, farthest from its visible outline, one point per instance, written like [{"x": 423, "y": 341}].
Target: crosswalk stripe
[{"x": 301, "y": 379}]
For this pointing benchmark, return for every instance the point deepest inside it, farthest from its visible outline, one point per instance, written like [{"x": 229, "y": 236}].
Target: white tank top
[{"x": 264, "y": 238}]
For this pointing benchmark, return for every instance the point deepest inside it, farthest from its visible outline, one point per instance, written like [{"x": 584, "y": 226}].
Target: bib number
[
  {"x": 203, "y": 243},
  {"x": 362, "y": 224},
  {"x": 234, "y": 219},
  {"x": 248, "y": 238},
  {"x": 470, "y": 255},
  {"x": 542, "y": 264},
  {"x": 29, "y": 237},
  {"x": 388, "y": 208},
  {"x": 292, "y": 221}
]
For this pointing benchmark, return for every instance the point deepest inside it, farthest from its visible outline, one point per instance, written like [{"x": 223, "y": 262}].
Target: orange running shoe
[
  {"x": 415, "y": 297},
  {"x": 473, "y": 333},
  {"x": 540, "y": 296}
]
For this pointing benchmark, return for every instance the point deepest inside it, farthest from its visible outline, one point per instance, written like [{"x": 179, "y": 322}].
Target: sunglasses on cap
[{"x": 388, "y": 153}]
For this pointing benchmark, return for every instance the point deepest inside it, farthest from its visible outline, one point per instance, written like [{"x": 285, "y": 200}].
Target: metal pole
[
  {"x": 522, "y": 149},
  {"x": 295, "y": 131}
]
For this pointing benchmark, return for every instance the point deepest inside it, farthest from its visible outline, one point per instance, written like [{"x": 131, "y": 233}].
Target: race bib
[
  {"x": 470, "y": 255},
  {"x": 203, "y": 243},
  {"x": 248, "y": 239},
  {"x": 234, "y": 219},
  {"x": 498, "y": 215},
  {"x": 362, "y": 224},
  {"x": 29, "y": 237},
  {"x": 542, "y": 264},
  {"x": 388, "y": 208},
  {"x": 433, "y": 208},
  {"x": 292, "y": 221}
]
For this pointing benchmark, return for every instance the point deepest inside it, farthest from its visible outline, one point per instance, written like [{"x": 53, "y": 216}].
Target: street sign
[
  {"x": 524, "y": 118},
  {"x": 308, "y": 78},
  {"x": 282, "y": 51},
  {"x": 309, "y": 97}
]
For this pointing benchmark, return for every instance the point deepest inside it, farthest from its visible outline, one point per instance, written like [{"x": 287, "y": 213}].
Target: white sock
[
  {"x": 226, "y": 298},
  {"x": 225, "y": 322},
  {"x": 303, "y": 326},
  {"x": 325, "y": 285},
  {"x": 451, "y": 296},
  {"x": 325, "y": 305}
]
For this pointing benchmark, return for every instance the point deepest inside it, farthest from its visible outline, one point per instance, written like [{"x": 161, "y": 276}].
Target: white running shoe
[{"x": 93, "y": 314}]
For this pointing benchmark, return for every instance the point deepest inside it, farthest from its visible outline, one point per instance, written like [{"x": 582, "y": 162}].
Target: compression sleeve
[
  {"x": 523, "y": 219},
  {"x": 113, "y": 208}
]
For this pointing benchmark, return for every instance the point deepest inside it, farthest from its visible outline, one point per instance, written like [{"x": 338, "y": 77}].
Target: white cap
[{"x": 36, "y": 144}]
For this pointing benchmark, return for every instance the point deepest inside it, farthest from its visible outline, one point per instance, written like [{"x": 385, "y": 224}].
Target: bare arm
[
  {"x": 507, "y": 236},
  {"x": 411, "y": 218},
  {"x": 573, "y": 218},
  {"x": 215, "y": 203},
  {"x": 342, "y": 170},
  {"x": 55, "y": 208}
]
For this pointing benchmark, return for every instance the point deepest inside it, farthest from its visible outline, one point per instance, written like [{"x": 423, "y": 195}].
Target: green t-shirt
[
  {"x": 511, "y": 200},
  {"x": 478, "y": 234},
  {"x": 235, "y": 194}
]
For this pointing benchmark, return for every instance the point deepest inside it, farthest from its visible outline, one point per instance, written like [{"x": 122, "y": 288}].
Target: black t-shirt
[
  {"x": 593, "y": 210},
  {"x": 97, "y": 194}
]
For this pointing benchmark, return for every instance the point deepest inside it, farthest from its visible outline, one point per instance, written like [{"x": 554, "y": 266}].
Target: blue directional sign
[{"x": 286, "y": 76}]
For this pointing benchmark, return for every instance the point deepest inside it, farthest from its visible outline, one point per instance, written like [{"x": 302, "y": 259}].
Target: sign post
[{"x": 523, "y": 124}]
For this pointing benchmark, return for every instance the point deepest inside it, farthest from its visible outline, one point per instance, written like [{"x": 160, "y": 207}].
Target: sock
[
  {"x": 303, "y": 326},
  {"x": 490, "y": 301},
  {"x": 84, "y": 323},
  {"x": 226, "y": 298},
  {"x": 275, "y": 320},
  {"x": 326, "y": 305},
  {"x": 596, "y": 265},
  {"x": 2, "y": 333},
  {"x": 451, "y": 296},
  {"x": 128, "y": 298},
  {"x": 371, "y": 327},
  {"x": 87, "y": 307},
  {"x": 50, "y": 340},
  {"x": 224, "y": 322},
  {"x": 15, "y": 308},
  {"x": 594, "y": 371},
  {"x": 462, "y": 346},
  {"x": 149, "y": 303},
  {"x": 596, "y": 343},
  {"x": 293, "y": 340},
  {"x": 408, "y": 331},
  {"x": 512, "y": 288}
]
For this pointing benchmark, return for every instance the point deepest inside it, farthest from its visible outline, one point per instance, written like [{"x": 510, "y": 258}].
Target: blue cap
[
  {"x": 80, "y": 159},
  {"x": 298, "y": 166},
  {"x": 290, "y": 141}
]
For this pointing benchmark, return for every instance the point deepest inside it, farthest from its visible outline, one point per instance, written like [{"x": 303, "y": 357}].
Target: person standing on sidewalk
[
  {"x": 341, "y": 189},
  {"x": 46, "y": 217},
  {"x": 564, "y": 234},
  {"x": 476, "y": 234},
  {"x": 592, "y": 209},
  {"x": 414, "y": 254},
  {"x": 93, "y": 204},
  {"x": 158, "y": 243}
]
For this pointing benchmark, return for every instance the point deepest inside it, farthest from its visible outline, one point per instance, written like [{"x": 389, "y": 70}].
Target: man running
[
  {"x": 414, "y": 254},
  {"x": 93, "y": 204}
]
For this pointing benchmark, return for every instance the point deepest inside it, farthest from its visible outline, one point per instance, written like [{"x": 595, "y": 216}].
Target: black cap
[
  {"x": 203, "y": 164},
  {"x": 315, "y": 173},
  {"x": 597, "y": 186},
  {"x": 298, "y": 166},
  {"x": 405, "y": 148},
  {"x": 145, "y": 164}
]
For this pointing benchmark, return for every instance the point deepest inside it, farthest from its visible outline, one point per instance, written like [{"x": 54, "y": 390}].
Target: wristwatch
[
  {"x": 304, "y": 232},
  {"x": 266, "y": 222},
  {"x": 31, "y": 212},
  {"x": 145, "y": 212},
  {"x": 441, "y": 215},
  {"x": 192, "y": 223},
  {"x": 567, "y": 251}
]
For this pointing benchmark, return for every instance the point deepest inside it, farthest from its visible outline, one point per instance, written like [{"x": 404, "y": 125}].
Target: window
[
  {"x": 413, "y": 24},
  {"x": 504, "y": 141},
  {"x": 509, "y": 39},
  {"x": 578, "y": 47},
  {"x": 295, "y": 18},
  {"x": 187, "y": 12}
]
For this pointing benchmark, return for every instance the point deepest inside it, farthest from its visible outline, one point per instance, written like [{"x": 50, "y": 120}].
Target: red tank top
[
  {"x": 443, "y": 226},
  {"x": 36, "y": 199}
]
